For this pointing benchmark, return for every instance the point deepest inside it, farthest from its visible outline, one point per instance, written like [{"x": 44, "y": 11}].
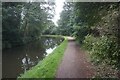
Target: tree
[
  {"x": 11, "y": 23},
  {"x": 24, "y": 22},
  {"x": 65, "y": 24}
]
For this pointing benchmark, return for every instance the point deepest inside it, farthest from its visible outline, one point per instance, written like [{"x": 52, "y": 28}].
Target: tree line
[
  {"x": 96, "y": 27},
  {"x": 23, "y": 22}
]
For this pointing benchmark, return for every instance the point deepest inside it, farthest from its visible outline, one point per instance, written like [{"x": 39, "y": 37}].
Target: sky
[{"x": 58, "y": 10}]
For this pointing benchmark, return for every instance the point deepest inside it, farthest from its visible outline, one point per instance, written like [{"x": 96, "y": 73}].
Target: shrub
[
  {"x": 103, "y": 49},
  {"x": 81, "y": 32},
  {"x": 88, "y": 42}
]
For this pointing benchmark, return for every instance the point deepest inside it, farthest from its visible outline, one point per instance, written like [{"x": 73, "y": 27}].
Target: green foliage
[
  {"x": 48, "y": 66},
  {"x": 81, "y": 32},
  {"x": 24, "y": 22},
  {"x": 97, "y": 26},
  {"x": 91, "y": 13},
  {"x": 89, "y": 42},
  {"x": 102, "y": 17},
  {"x": 11, "y": 17},
  {"x": 51, "y": 29},
  {"x": 102, "y": 40},
  {"x": 65, "y": 24},
  {"x": 103, "y": 49},
  {"x": 106, "y": 49},
  {"x": 104, "y": 52}
]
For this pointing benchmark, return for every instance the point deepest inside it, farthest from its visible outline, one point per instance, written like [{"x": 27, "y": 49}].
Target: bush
[
  {"x": 103, "y": 49},
  {"x": 88, "y": 42},
  {"x": 81, "y": 32}
]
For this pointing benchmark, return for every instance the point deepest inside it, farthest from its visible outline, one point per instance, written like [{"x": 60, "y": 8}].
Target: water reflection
[
  {"x": 48, "y": 51},
  {"x": 18, "y": 60}
]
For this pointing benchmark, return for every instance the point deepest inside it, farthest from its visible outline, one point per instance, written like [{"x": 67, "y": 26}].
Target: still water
[{"x": 19, "y": 59}]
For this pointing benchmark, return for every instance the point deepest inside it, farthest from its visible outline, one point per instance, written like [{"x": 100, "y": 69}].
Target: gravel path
[{"x": 74, "y": 63}]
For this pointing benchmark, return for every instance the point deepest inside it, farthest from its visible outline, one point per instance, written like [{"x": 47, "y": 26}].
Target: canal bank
[{"x": 48, "y": 66}]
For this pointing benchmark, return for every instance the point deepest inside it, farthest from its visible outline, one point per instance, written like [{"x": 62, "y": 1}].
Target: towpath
[{"x": 74, "y": 63}]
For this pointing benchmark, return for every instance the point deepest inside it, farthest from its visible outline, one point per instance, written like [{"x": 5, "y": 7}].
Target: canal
[{"x": 16, "y": 61}]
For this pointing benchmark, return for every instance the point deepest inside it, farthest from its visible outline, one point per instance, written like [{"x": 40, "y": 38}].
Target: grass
[{"x": 48, "y": 66}]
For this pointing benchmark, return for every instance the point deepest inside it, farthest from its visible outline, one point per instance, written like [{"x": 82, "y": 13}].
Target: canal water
[{"x": 16, "y": 61}]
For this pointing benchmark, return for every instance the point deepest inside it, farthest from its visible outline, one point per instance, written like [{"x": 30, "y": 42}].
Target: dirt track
[{"x": 74, "y": 63}]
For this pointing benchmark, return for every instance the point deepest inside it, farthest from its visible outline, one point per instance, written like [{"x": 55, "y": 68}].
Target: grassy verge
[{"x": 48, "y": 66}]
